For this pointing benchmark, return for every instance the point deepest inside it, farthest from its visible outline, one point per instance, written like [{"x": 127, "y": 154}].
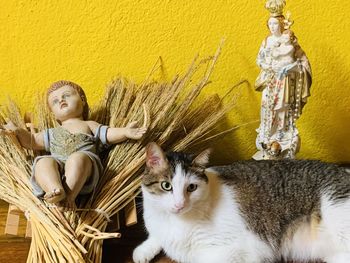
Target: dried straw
[{"x": 173, "y": 122}]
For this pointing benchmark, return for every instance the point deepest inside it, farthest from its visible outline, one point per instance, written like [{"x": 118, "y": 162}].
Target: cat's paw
[
  {"x": 145, "y": 252},
  {"x": 338, "y": 258}
]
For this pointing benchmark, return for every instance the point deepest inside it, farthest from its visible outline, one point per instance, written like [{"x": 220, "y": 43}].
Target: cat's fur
[{"x": 247, "y": 212}]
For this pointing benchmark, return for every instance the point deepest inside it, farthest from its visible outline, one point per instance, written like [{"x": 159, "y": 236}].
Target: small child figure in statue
[
  {"x": 73, "y": 167},
  {"x": 284, "y": 54}
]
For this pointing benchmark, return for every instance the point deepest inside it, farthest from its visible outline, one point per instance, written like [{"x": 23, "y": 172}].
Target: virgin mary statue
[{"x": 284, "y": 80}]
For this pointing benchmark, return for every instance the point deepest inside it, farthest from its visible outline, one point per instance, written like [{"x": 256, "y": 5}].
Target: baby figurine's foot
[{"x": 55, "y": 196}]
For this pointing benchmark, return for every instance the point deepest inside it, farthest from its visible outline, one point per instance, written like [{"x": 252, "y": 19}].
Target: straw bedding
[{"x": 167, "y": 109}]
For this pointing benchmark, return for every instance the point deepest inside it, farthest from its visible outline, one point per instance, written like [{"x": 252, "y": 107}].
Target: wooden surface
[{"x": 15, "y": 249}]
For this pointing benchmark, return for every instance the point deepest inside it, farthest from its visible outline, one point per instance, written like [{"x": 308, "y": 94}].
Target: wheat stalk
[{"x": 167, "y": 109}]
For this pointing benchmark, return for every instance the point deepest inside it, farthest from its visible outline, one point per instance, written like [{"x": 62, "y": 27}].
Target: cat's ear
[
  {"x": 155, "y": 157},
  {"x": 202, "y": 159}
]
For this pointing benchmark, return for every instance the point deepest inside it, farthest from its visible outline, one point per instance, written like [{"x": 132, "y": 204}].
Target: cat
[{"x": 247, "y": 212}]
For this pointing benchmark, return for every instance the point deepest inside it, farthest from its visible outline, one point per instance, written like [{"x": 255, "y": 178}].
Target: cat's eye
[
  {"x": 191, "y": 187},
  {"x": 166, "y": 186}
]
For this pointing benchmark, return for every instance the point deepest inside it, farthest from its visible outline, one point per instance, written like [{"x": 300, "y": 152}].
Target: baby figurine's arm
[
  {"x": 283, "y": 50},
  {"x": 26, "y": 139},
  {"x": 115, "y": 135}
]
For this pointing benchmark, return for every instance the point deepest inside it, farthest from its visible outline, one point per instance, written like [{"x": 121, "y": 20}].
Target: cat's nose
[{"x": 179, "y": 206}]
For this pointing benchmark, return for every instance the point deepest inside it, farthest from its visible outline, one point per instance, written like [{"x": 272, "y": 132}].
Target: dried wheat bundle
[{"x": 173, "y": 122}]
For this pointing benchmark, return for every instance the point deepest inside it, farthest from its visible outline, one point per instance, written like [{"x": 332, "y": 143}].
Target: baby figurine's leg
[
  {"x": 78, "y": 169},
  {"x": 48, "y": 178}
]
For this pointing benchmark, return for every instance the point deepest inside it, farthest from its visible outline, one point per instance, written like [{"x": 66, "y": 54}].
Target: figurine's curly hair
[
  {"x": 59, "y": 84},
  {"x": 291, "y": 35}
]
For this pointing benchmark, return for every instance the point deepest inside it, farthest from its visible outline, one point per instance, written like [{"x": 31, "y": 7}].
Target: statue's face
[
  {"x": 274, "y": 26},
  {"x": 65, "y": 103}
]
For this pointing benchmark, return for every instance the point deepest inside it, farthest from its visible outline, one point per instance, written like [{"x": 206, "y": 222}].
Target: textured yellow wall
[{"x": 89, "y": 42}]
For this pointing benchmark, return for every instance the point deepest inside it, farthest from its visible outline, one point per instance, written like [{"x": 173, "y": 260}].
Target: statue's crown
[{"x": 275, "y": 7}]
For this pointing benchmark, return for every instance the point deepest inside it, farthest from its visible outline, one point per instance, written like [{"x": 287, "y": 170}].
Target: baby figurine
[
  {"x": 284, "y": 53},
  {"x": 74, "y": 166}
]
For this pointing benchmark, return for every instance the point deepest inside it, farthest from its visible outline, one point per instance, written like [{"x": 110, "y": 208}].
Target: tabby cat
[{"x": 246, "y": 212}]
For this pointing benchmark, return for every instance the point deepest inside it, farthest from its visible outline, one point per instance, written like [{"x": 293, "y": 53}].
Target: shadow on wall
[
  {"x": 325, "y": 124},
  {"x": 245, "y": 98},
  {"x": 240, "y": 142}
]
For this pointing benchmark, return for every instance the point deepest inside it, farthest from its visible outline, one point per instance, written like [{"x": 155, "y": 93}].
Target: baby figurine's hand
[
  {"x": 276, "y": 53},
  {"x": 277, "y": 43},
  {"x": 9, "y": 127},
  {"x": 133, "y": 132}
]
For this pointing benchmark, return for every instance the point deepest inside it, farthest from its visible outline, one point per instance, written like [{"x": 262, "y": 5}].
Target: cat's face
[{"x": 175, "y": 182}]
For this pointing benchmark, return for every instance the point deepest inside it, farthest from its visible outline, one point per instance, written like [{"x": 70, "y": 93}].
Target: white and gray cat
[{"x": 247, "y": 212}]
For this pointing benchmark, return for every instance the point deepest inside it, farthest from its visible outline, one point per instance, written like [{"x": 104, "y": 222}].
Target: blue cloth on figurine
[{"x": 284, "y": 71}]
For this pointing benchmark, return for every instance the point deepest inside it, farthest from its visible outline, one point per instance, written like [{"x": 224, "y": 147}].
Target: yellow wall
[{"x": 89, "y": 42}]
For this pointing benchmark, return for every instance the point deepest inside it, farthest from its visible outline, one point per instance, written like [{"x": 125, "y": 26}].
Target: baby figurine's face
[
  {"x": 66, "y": 103},
  {"x": 285, "y": 39}
]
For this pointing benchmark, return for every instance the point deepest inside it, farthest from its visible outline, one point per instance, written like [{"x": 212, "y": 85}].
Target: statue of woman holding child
[{"x": 284, "y": 80}]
